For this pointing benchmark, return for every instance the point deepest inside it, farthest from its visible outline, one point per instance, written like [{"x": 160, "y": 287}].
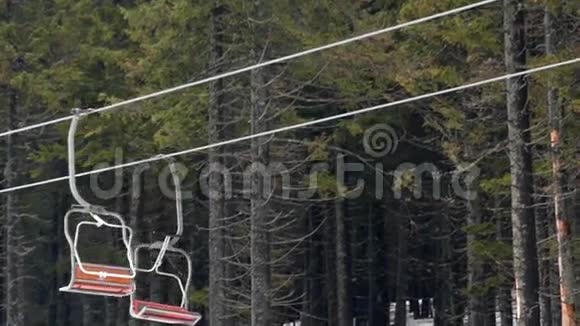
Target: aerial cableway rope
[
  {"x": 306, "y": 124},
  {"x": 255, "y": 66}
]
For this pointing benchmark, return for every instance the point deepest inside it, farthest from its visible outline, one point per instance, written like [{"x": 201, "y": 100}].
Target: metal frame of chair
[
  {"x": 87, "y": 278},
  {"x": 157, "y": 312}
]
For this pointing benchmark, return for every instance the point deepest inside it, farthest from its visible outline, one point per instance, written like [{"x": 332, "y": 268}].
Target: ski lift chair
[
  {"x": 90, "y": 278},
  {"x": 158, "y": 312},
  {"x": 165, "y": 313}
]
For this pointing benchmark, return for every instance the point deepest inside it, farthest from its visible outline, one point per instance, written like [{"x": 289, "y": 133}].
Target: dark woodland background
[{"x": 267, "y": 257}]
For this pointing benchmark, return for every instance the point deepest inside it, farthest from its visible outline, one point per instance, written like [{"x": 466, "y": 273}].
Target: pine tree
[{"x": 523, "y": 222}]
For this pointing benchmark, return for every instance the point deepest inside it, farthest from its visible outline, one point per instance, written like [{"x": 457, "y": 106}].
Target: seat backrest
[{"x": 80, "y": 275}]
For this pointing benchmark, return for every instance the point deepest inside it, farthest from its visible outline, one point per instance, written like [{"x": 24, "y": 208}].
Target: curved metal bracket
[
  {"x": 178, "y": 197},
  {"x": 77, "y": 113}
]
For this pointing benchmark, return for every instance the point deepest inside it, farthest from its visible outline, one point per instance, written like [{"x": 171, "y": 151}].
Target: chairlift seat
[
  {"x": 157, "y": 312},
  {"x": 105, "y": 284},
  {"x": 164, "y": 313}
]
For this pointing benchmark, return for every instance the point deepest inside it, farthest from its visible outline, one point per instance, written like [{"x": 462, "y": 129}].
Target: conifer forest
[{"x": 290, "y": 162}]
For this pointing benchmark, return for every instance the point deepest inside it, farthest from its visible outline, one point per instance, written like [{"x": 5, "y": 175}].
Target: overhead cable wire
[
  {"x": 255, "y": 66},
  {"x": 304, "y": 124}
]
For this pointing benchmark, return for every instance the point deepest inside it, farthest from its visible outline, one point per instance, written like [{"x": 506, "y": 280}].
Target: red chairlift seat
[
  {"x": 163, "y": 313},
  {"x": 105, "y": 284}
]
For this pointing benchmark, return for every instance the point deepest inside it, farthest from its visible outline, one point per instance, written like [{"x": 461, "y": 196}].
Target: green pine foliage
[{"x": 57, "y": 55}]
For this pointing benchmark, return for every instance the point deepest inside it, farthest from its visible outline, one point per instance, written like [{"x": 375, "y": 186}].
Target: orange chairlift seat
[
  {"x": 88, "y": 278},
  {"x": 158, "y": 312}
]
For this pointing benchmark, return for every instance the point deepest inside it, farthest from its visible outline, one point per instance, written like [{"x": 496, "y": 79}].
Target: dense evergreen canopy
[{"x": 448, "y": 203}]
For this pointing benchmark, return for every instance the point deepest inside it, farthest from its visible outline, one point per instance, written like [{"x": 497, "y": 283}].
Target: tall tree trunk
[
  {"x": 330, "y": 267},
  {"x": 443, "y": 301},
  {"x": 259, "y": 233},
  {"x": 542, "y": 229},
  {"x": 504, "y": 306},
  {"x": 157, "y": 284},
  {"x": 575, "y": 212},
  {"x": 343, "y": 267},
  {"x": 4, "y": 270},
  {"x": 313, "y": 305},
  {"x": 114, "y": 307},
  {"x": 88, "y": 307},
  {"x": 504, "y": 290},
  {"x": 21, "y": 272},
  {"x": 563, "y": 220},
  {"x": 376, "y": 268},
  {"x": 402, "y": 270},
  {"x": 57, "y": 316},
  {"x": 523, "y": 224},
  {"x": 12, "y": 298},
  {"x": 343, "y": 257},
  {"x": 260, "y": 238},
  {"x": 414, "y": 307},
  {"x": 391, "y": 231},
  {"x": 555, "y": 303},
  {"x": 217, "y": 267},
  {"x": 110, "y": 311},
  {"x": 136, "y": 213},
  {"x": 478, "y": 295}
]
